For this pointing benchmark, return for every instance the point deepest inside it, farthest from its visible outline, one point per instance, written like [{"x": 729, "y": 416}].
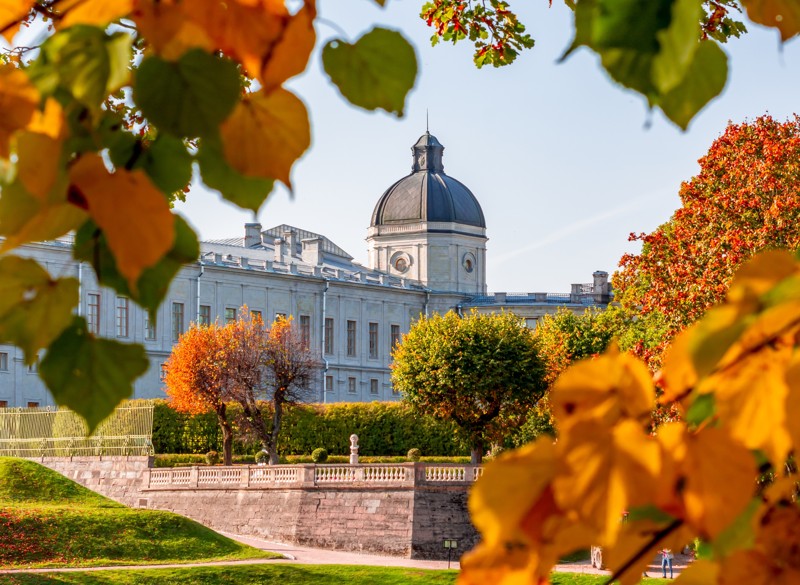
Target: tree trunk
[
  {"x": 277, "y": 415},
  {"x": 476, "y": 454},
  {"x": 227, "y": 436}
]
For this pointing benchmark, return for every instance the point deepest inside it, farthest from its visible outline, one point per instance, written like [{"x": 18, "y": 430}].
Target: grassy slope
[
  {"x": 273, "y": 575},
  {"x": 48, "y": 520}
]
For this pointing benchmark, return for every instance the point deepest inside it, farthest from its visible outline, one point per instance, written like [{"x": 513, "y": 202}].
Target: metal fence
[{"x": 37, "y": 432}]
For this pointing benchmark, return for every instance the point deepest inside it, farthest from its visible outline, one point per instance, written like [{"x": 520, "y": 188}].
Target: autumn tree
[
  {"x": 736, "y": 376},
  {"x": 196, "y": 380},
  {"x": 481, "y": 371},
  {"x": 289, "y": 370},
  {"x": 744, "y": 199}
]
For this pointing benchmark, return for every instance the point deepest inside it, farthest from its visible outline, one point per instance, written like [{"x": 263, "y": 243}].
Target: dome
[{"x": 428, "y": 194}]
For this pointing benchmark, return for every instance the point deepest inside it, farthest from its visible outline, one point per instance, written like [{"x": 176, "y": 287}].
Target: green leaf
[
  {"x": 649, "y": 512},
  {"x": 91, "y": 246},
  {"x": 91, "y": 375},
  {"x": 677, "y": 45},
  {"x": 189, "y": 97},
  {"x": 377, "y": 71},
  {"x": 246, "y": 192},
  {"x": 701, "y": 409},
  {"x": 704, "y": 80},
  {"x": 86, "y": 62},
  {"x": 630, "y": 24},
  {"x": 34, "y": 308}
]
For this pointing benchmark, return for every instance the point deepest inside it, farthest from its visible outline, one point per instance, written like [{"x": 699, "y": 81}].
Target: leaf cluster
[
  {"x": 122, "y": 104},
  {"x": 735, "y": 375}
]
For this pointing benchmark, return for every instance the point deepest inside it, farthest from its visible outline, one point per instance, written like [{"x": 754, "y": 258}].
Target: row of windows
[
  {"x": 178, "y": 325},
  {"x": 352, "y": 385},
  {"x": 31, "y": 404},
  {"x": 32, "y": 369}
]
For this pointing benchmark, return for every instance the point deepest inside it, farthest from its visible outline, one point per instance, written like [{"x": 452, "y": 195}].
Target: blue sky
[{"x": 564, "y": 162}]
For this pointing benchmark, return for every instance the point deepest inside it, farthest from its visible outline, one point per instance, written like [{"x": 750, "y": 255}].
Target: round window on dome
[{"x": 401, "y": 264}]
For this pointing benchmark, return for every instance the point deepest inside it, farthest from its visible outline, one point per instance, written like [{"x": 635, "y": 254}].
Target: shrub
[
  {"x": 262, "y": 457},
  {"x": 413, "y": 454},
  {"x": 212, "y": 458},
  {"x": 319, "y": 455}
]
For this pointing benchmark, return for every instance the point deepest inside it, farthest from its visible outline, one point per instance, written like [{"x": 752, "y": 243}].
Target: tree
[
  {"x": 744, "y": 199},
  {"x": 481, "y": 371},
  {"x": 566, "y": 337},
  {"x": 103, "y": 124},
  {"x": 289, "y": 368},
  {"x": 195, "y": 378},
  {"x": 736, "y": 376}
]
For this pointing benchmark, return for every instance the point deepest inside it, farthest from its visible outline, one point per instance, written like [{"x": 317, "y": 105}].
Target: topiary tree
[{"x": 481, "y": 371}]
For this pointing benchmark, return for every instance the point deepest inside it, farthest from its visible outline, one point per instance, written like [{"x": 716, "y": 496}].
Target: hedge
[{"x": 383, "y": 429}]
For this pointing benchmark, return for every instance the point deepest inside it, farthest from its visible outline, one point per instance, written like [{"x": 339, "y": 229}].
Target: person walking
[{"x": 666, "y": 561}]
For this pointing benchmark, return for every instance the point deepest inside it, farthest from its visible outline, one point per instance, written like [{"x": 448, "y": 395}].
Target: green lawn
[
  {"x": 47, "y": 520},
  {"x": 282, "y": 574}
]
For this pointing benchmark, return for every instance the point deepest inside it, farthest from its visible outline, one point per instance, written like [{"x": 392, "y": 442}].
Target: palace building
[{"x": 427, "y": 253}]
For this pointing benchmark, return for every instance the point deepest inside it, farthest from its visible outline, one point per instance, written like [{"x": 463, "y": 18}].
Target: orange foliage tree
[
  {"x": 744, "y": 199},
  {"x": 196, "y": 380}
]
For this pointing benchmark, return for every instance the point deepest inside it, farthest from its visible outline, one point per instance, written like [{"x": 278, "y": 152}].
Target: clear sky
[{"x": 564, "y": 162}]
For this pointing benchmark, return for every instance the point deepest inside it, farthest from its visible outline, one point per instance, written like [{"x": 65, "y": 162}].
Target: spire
[{"x": 427, "y": 154}]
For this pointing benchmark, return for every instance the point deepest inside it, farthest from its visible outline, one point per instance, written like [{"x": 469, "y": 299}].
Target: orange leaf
[
  {"x": 133, "y": 214},
  {"x": 782, "y": 14},
  {"x": 96, "y": 12},
  {"x": 289, "y": 56},
  {"x": 12, "y": 11},
  {"x": 18, "y": 103},
  {"x": 168, "y": 31},
  {"x": 266, "y": 134}
]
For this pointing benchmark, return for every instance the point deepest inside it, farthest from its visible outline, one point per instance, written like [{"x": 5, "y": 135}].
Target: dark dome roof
[{"x": 428, "y": 194}]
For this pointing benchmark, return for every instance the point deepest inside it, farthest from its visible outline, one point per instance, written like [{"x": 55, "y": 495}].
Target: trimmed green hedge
[{"x": 383, "y": 429}]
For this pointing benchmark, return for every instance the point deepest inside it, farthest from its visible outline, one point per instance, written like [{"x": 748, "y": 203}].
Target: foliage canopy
[{"x": 481, "y": 371}]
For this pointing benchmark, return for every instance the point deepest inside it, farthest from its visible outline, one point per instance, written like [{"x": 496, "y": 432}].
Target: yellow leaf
[
  {"x": 510, "y": 485},
  {"x": 49, "y": 122},
  {"x": 12, "y": 11},
  {"x": 751, "y": 400},
  {"x": 39, "y": 163},
  {"x": 499, "y": 566},
  {"x": 793, "y": 402},
  {"x": 96, "y": 12},
  {"x": 603, "y": 472},
  {"x": 719, "y": 476},
  {"x": 615, "y": 385},
  {"x": 266, "y": 134},
  {"x": 133, "y": 214},
  {"x": 41, "y": 222},
  {"x": 635, "y": 537},
  {"x": 289, "y": 56},
  {"x": 760, "y": 274},
  {"x": 782, "y": 14},
  {"x": 700, "y": 572},
  {"x": 18, "y": 103}
]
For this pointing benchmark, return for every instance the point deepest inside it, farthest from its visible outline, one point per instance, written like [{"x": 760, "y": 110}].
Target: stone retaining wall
[{"x": 404, "y": 510}]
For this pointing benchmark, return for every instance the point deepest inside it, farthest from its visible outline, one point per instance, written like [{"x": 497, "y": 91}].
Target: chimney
[
  {"x": 601, "y": 286},
  {"x": 280, "y": 250},
  {"x": 290, "y": 237},
  {"x": 252, "y": 235},
  {"x": 312, "y": 251}
]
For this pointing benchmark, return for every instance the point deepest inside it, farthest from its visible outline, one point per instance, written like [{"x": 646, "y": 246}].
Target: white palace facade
[{"x": 427, "y": 253}]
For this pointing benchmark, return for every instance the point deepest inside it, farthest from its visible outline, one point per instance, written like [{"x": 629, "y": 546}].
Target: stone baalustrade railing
[{"x": 309, "y": 476}]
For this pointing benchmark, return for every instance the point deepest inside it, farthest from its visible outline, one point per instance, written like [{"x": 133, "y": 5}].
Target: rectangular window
[
  {"x": 162, "y": 374},
  {"x": 122, "y": 316},
  {"x": 3, "y": 361},
  {"x": 205, "y": 315},
  {"x": 33, "y": 404},
  {"x": 3, "y": 403},
  {"x": 280, "y": 316},
  {"x": 328, "y": 383},
  {"x": 328, "y": 335},
  {"x": 149, "y": 326},
  {"x": 351, "y": 338},
  {"x": 230, "y": 315},
  {"x": 394, "y": 391},
  {"x": 394, "y": 338},
  {"x": 305, "y": 331},
  {"x": 33, "y": 368},
  {"x": 93, "y": 313},
  {"x": 351, "y": 385},
  {"x": 373, "y": 341},
  {"x": 177, "y": 321},
  {"x": 256, "y": 316},
  {"x": 373, "y": 387}
]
